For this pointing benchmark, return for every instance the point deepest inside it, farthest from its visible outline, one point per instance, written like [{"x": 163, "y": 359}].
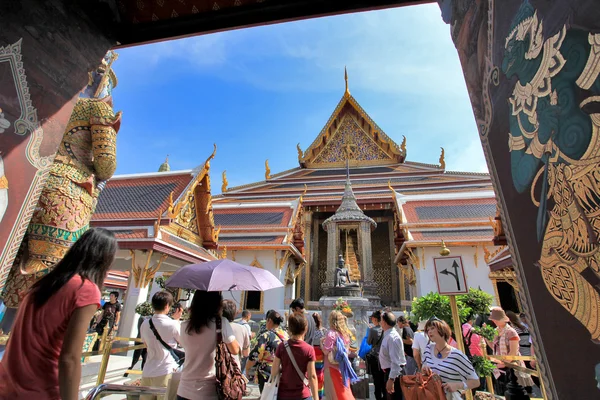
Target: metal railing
[
  {"x": 515, "y": 367},
  {"x": 106, "y": 349},
  {"x": 108, "y": 389}
]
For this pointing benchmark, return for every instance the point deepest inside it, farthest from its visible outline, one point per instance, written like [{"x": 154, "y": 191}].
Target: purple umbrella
[{"x": 223, "y": 275}]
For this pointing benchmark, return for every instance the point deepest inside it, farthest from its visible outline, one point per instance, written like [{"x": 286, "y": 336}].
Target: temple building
[
  {"x": 278, "y": 223},
  {"x": 167, "y": 219},
  {"x": 154, "y": 217}
]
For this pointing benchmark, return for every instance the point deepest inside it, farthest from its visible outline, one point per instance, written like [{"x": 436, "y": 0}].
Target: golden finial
[
  {"x": 225, "y": 182},
  {"x": 300, "y": 153},
  {"x": 390, "y": 186},
  {"x": 444, "y": 250},
  {"x": 207, "y": 162},
  {"x": 346, "y": 79},
  {"x": 403, "y": 146},
  {"x": 304, "y": 193},
  {"x": 267, "y": 170},
  {"x": 223, "y": 254},
  {"x": 442, "y": 159}
]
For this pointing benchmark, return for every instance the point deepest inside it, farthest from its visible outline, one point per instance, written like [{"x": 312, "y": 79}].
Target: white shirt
[
  {"x": 420, "y": 342},
  {"x": 243, "y": 338},
  {"x": 391, "y": 353},
  {"x": 198, "y": 374},
  {"x": 159, "y": 361}
]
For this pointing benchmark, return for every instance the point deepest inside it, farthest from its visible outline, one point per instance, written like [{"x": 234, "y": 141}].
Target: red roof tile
[
  {"x": 139, "y": 196},
  {"x": 252, "y": 217},
  {"x": 131, "y": 233},
  {"x": 449, "y": 210},
  {"x": 447, "y": 234},
  {"x": 249, "y": 240}
]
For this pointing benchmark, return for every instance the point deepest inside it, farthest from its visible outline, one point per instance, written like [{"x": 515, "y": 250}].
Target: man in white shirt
[
  {"x": 241, "y": 333},
  {"x": 160, "y": 363},
  {"x": 420, "y": 342},
  {"x": 391, "y": 356}
]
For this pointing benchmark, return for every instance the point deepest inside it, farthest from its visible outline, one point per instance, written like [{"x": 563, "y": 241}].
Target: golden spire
[
  {"x": 347, "y": 93},
  {"x": 267, "y": 170},
  {"x": 225, "y": 182},
  {"x": 403, "y": 145},
  {"x": 442, "y": 159},
  {"x": 165, "y": 167},
  {"x": 300, "y": 153}
]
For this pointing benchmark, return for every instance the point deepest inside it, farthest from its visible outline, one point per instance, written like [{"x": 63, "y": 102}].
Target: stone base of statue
[
  {"x": 344, "y": 291},
  {"x": 361, "y": 308}
]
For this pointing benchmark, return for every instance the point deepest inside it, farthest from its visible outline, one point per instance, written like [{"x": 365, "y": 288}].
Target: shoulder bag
[
  {"x": 422, "y": 387},
  {"x": 178, "y": 355},
  {"x": 231, "y": 384},
  {"x": 293, "y": 360}
]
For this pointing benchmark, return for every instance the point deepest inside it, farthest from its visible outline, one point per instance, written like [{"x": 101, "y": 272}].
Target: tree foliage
[{"x": 435, "y": 305}]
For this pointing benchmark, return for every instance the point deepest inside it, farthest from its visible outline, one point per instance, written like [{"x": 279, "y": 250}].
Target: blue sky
[{"x": 257, "y": 92}]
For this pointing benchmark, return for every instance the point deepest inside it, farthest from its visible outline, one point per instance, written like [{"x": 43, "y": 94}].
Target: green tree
[
  {"x": 476, "y": 300},
  {"x": 435, "y": 305}
]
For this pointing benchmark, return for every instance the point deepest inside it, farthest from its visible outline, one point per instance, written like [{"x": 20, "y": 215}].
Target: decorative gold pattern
[
  {"x": 223, "y": 254},
  {"x": 85, "y": 157},
  {"x": 489, "y": 256},
  {"x": 350, "y": 141},
  {"x": 256, "y": 263}
]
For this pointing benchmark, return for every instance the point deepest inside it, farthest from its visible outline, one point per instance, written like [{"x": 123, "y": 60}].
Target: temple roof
[
  {"x": 168, "y": 211},
  {"x": 140, "y": 196},
  {"x": 351, "y": 133}
]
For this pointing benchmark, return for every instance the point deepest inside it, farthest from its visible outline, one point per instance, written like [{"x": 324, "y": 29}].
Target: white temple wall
[{"x": 477, "y": 274}]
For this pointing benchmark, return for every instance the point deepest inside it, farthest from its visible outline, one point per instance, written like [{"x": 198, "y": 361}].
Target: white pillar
[
  {"x": 155, "y": 286},
  {"x": 135, "y": 296}
]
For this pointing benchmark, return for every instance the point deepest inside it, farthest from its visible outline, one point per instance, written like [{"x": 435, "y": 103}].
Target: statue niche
[{"x": 85, "y": 160}]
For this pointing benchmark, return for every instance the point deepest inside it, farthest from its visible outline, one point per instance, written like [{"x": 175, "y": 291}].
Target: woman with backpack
[
  {"x": 295, "y": 359},
  {"x": 199, "y": 339}
]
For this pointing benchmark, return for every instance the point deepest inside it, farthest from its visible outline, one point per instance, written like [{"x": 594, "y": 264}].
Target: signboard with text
[{"x": 450, "y": 275}]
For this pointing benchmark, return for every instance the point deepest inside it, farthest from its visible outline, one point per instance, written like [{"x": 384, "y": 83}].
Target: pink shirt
[
  {"x": 29, "y": 368},
  {"x": 475, "y": 347}
]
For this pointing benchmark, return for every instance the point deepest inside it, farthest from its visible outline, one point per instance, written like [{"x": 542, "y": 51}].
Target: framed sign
[{"x": 450, "y": 275}]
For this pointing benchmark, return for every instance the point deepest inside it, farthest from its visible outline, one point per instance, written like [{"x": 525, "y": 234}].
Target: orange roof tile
[{"x": 449, "y": 210}]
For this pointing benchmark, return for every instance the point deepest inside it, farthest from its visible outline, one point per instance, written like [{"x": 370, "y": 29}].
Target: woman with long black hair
[
  {"x": 199, "y": 339},
  {"x": 43, "y": 356}
]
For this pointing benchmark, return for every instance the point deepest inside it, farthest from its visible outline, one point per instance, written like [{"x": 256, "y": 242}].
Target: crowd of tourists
[{"x": 301, "y": 356}]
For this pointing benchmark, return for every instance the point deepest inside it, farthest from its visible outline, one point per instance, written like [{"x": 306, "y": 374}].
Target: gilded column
[
  {"x": 307, "y": 253},
  {"x": 367, "y": 259},
  {"x": 332, "y": 241}
]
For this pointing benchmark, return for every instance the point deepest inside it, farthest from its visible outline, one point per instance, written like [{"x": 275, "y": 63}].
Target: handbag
[
  {"x": 365, "y": 347},
  {"x": 422, "y": 387},
  {"x": 231, "y": 384},
  {"x": 293, "y": 360},
  {"x": 271, "y": 388},
  {"x": 178, "y": 355}
]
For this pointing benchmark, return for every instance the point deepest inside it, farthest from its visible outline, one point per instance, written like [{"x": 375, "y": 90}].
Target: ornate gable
[
  {"x": 351, "y": 131},
  {"x": 192, "y": 214}
]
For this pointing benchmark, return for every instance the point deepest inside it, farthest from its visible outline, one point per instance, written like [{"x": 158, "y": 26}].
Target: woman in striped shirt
[{"x": 453, "y": 367}]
